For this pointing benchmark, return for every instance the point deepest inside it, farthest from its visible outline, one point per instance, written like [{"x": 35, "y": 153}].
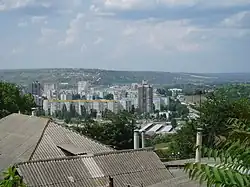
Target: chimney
[
  {"x": 142, "y": 139},
  {"x": 136, "y": 139},
  {"x": 198, "y": 145}
]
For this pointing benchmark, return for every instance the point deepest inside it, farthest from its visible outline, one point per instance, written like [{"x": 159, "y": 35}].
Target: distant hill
[{"x": 107, "y": 77}]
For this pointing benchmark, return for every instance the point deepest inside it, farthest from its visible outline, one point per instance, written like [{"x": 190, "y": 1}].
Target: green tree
[
  {"x": 109, "y": 97},
  {"x": 233, "y": 155},
  {"x": 64, "y": 111},
  {"x": 12, "y": 101},
  {"x": 216, "y": 111},
  {"x": 72, "y": 111},
  {"x": 118, "y": 133},
  {"x": 11, "y": 178},
  {"x": 93, "y": 113},
  {"x": 83, "y": 111},
  {"x": 174, "y": 123},
  {"x": 132, "y": 109},
  {"x": 183, "y": 142}
]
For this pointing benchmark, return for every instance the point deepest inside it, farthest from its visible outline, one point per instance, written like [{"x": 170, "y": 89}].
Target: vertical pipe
[
  {"x": 111, "y": 182},
  {"x": 143, "y": 139},
  {"x": 198, "y": 145},
  {"x": 136, "y": 139}
]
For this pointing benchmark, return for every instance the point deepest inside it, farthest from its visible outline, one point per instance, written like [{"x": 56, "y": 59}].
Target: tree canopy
[
  {"x": 117, "y": 133},
  {"x": 233, "y": 154},
  {"x": 225, "y": 118},
  {"x": 12, "y": 101},
  {"x": 11, "y": 178},
  {"x": 109, "y": 96}
]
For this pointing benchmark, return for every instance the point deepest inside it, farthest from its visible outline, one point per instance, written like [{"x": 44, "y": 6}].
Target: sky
[{"x": 158, "y": 35}]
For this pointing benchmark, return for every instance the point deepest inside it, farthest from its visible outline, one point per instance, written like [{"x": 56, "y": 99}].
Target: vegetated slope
[{"x": 106, "y": 77}]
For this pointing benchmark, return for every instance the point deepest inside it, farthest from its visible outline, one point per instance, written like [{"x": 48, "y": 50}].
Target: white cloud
[
  {"x": 129, "y": 31},
  {"x": 177, "y": 2},
  {"x": 83, "y": 47},
  {"x": 239, "y": 20},
  {"x": 38, "y": 19},
  {"x": 73, "y": 30},
  {"x": 22, "y": 24},
  {"x": 12, "y": 4},
  {"x": 149, "y": 4},
  {"x": 122, "y": 37},
  {"x": 128, "y": 4},
  {"x": 165, "y": 36},
  {"x": 47, "y": 35},
  {"x": 98, "y": 40},
  {"x": 17, "y": 50}
]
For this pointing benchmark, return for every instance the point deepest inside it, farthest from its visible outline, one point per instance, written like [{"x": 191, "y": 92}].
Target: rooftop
[
  {"x": 24, "y": 138},
  {"x": 130, "y": 167},
  {"x": 19, "y": 135}
]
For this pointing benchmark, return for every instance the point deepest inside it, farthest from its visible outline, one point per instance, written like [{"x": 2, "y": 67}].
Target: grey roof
[
  {"x": 24, "y": 138},
  {"x": 134, "y": 167},
  {"x": 57, "y": 140},
  {"x": 19, "y": 135}
]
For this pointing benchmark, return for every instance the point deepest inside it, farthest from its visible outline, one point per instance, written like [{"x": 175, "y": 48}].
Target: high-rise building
[
  {"x": 145, "y": 98},
  {"x": 35, "y": 88},
  {"x": 83, "y": 86}
]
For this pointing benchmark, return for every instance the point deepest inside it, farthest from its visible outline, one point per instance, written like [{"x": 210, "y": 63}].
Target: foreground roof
[
  {"x": 19, "y": 135},
  {"x": 24, "y": 138},
  {"x": 131, "y": 167},
  {"x": 58, "y": 141}
]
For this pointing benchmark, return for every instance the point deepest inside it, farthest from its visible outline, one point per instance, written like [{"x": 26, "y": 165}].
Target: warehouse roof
[
  {"x": 130, "y": 167},
  {"x": 24, "y": 138}
]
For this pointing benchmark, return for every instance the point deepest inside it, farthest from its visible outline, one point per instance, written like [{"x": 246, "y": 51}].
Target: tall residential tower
[
  {"x": 35, "y": 88},
  {"x": 145, "y": 98}
]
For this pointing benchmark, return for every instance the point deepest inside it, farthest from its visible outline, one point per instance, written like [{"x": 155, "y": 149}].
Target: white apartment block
[
  {"x": 53, "y": 105},
  {"x": 157, "y": 103},
  {"x": 83, "y": 87},
  {"x": 66, "y": 96},
  {"x": 126, "y": 104}
]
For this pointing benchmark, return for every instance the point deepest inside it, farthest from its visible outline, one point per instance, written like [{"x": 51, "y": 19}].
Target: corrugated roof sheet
[
  {"x": 134, "y": 167},
  {"x": 24, "y": 138},
  {"x": 19, "y": 135},
  {"x": 155, "y": 128},
  {"x": 56, "y": 135}
]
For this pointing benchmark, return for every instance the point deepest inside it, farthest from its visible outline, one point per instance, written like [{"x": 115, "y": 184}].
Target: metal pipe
[
  {"x": 111, "y": 182},
  {"x": 136, "y": 139},
  {"x": 198, "y": 145},
  {"x": 143, "y": 139}
]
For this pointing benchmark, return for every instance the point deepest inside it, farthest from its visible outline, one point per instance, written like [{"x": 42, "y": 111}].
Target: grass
[{"x": 161, "y": 146}]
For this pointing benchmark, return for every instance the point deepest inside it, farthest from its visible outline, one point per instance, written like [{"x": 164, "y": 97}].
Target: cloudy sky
[{"x": 161, "y": 35}]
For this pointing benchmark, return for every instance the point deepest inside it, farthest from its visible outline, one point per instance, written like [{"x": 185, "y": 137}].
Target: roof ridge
[
  {"x": 125, "y": 151},
  {"x": 40, "y": 139},
  {"x": 72, "y": 130},
  {"x": 84, "y": 156}
]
